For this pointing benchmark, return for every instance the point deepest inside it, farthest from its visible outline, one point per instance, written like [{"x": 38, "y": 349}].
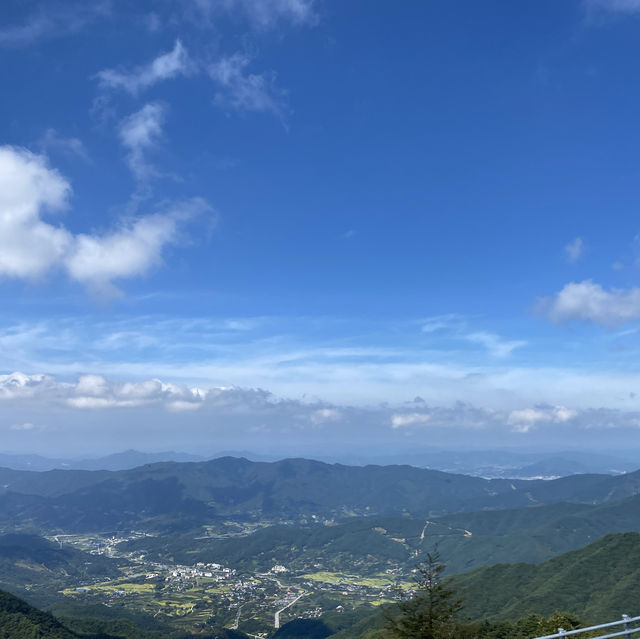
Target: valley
[{"x": 255, "y": 547}]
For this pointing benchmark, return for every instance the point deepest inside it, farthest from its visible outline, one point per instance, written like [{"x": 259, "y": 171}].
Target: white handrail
[{"x": 626, "y": 632}]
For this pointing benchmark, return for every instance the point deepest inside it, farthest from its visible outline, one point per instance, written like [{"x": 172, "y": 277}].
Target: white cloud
[
  {"x": 496, "y": 346},
  {"x": 140, "y": 132},
  {"x": 20, "y": 386},
  {"x": 31, "y": 247},
  {"x": 166, "y": 66},
  {"x": 589, "y": 301},
  {"x": 524, "y": 420},
  {"x": 131, "y": 250},
  {"x": 402, "y": 420},
  {"x": 93, "y": 392},
  {"x": 242, "y": 91},
  {"x": 96, "y": 392},
  {"x": 574, "y": 250},
  {"x": 266, "y": 14}
]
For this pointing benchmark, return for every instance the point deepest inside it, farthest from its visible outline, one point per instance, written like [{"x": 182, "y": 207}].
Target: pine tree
[{"x": 431, "y": 612}]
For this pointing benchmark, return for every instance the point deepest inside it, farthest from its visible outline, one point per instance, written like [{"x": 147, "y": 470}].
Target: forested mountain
[
  {"x": 19, "y": 620},
  {"x": 598, "y": 583},
  {"x": 182, "y": 495}
]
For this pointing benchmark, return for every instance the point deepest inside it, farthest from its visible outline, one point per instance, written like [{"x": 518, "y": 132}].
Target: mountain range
[
  {"x": 491, "y": 464},
  {"x": 173, "y": 496}
]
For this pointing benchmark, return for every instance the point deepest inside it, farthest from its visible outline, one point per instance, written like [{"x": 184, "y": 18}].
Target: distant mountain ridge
[
  {"x": 172, "y": 495},
  {"x": 491, "y": 464},
  {"x": 116, "y": 461}
]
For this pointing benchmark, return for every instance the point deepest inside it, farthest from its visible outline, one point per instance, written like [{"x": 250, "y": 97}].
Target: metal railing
[{"x": 631, "y": 629}]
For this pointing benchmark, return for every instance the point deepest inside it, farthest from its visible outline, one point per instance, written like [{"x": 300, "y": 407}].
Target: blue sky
[{"x": 301, "y": 223}]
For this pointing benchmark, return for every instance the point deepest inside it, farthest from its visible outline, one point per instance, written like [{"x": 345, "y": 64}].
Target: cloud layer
[{"x": 94, "y": 406}]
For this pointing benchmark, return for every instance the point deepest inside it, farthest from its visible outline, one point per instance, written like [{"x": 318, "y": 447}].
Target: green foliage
[
  {"x": 431, "y": 612},
  {"x": 19, "y": 620},
  {"x": 524, "y": 628}
]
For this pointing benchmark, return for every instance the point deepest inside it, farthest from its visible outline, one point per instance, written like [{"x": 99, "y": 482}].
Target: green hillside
[
  {"x": 531, "y": 534},
  {"x": 19, "y": 620},
  {"x": 598, "y": 582}
]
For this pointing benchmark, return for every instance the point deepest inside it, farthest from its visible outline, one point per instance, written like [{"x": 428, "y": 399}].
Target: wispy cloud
[
  {"x": 166, "y": 66},
  {"x": 239, "y": 90},
  {"x": 455, "y": 327},
  {"x": 140, "y": 132},
  {"x": 264, "y": 14},
  {"x": 24, "y": 426},
  {"x": 620, "y": 6},
  {"x": 50, "y": 19},
  {"x": 591, "y": 302},
  {"x": 53, "y": 141},
  {"x": 280, "y": 355},
  {"x": 574, "y": 250},
  {"x": 440, "y": 322},
  {"x": 495, "y": 345}
]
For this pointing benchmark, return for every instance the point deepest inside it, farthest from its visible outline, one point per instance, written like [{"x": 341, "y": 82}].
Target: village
[{"x": 210, "y": 592}]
